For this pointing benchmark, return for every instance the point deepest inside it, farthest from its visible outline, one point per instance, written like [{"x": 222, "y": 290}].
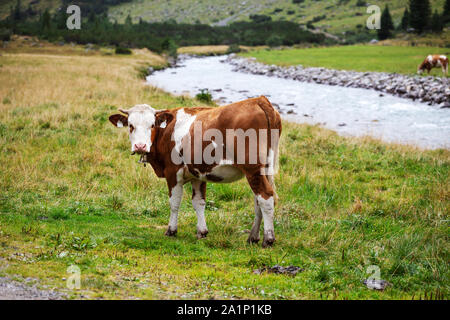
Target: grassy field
[
  {"x": 399, "y": 59},
  {"x": 71, "y": 194}
]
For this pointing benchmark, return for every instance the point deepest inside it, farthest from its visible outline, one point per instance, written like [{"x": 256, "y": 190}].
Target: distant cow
[
  {"x": 434, "y": 61},
  {"x": 201, "y": 145}
]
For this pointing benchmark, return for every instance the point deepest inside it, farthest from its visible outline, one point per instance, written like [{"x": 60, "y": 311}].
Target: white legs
[
  {"x": 254, "y": 233},
  {"x": 175, "y": 200},
  {"x": 267, "y": 209},
  {"x": 199, "y": 204}
]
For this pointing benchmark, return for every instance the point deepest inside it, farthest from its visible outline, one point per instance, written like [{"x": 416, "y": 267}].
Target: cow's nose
[{"x": 140, "y": 147}]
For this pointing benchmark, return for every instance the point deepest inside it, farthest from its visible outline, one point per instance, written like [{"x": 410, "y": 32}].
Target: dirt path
[{"x": 15, "y": 290}]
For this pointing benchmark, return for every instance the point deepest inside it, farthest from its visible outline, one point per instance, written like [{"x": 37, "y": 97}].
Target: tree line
[
  {"x": 417, "y": 17},
  {"x": 96, "y": 28}
]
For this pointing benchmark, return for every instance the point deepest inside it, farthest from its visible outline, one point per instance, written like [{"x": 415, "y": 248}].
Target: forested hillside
[{"x": 335, "y": 16}]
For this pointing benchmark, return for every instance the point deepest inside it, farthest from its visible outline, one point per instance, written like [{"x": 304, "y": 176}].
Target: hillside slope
[{"x": 334, "y": 16}]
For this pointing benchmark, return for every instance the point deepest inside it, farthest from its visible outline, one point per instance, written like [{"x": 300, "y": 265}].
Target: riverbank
[
  {"x": 73, "y": 195},
  {"x": 430, "y": 90},
  {"x": 348, "y": 111}
]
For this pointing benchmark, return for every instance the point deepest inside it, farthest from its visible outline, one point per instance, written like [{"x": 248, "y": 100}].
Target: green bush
[
  {"x": 234, "y": 48},
  {"x": 274, "y": 41},
  {"x": 204, "y": 96},
  {"x": 170, "y": 47},
  {"x": 5, "y": 34},
  {"x": 121, "y": 50}
]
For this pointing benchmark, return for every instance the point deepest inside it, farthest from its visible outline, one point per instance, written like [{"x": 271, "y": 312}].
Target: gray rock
[{"x": 434, "y": 91}]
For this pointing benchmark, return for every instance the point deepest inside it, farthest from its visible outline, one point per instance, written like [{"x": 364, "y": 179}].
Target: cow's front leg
[
  {"x": 175, "y": 193},
  {"x": 199, "y": 204}
]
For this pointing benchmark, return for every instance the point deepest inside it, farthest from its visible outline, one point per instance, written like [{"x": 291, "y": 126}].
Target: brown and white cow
[
  {"x": 434, "y": 61},
  {"x": 206, "y": 144}
]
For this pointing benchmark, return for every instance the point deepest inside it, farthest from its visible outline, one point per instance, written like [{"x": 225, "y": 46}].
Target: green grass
[
  {"x": 72, "y": 194},
  {"x": 359, "y": 58}
]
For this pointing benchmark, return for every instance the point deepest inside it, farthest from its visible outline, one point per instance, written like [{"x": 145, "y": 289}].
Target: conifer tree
[
  {"x": 405, "y": 20},
  {"x": 446, "y": 13},
  {"x": 419, "y": 14},
  {"x": 386, "y": 25},
  {"x": 436, "y": 22}
]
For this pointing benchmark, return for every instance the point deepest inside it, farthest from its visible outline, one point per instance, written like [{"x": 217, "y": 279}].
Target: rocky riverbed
[{"x": 430, "y": 90}]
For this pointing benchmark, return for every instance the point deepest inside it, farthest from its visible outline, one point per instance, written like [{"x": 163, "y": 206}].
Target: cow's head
[
  {"x": 423, "y": 66},
  {"x": 140, "y": 121},
  {"x": 143, "y": 122},
  {"x": 420, "y": 69}
]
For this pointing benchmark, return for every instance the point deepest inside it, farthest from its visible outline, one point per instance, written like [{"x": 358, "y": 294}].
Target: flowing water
[{"x": 348, "y": 111}]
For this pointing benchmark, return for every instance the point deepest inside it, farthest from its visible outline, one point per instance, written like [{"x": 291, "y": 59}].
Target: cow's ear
[
  {"x": 163, "y": 119},
  {"x": 119, "y": 120}
]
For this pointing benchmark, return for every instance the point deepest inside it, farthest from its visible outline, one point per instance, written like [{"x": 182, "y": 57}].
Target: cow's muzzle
[{"x": 140, "y": 148}]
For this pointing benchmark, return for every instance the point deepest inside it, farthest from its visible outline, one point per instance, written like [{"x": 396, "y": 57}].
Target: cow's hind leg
[
  {"x": 254, "y": 233},
  {"x": 264, "y": 195},
  {"x": 199, "y": 204}
]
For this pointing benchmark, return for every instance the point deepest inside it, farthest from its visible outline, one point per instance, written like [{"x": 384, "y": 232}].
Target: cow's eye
[
  {"x": 131, "y": 128},
  {"x": 153, "y": 126}
]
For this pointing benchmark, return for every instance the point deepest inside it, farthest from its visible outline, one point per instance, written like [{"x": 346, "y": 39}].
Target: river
[{"x": 348, "y": 111}]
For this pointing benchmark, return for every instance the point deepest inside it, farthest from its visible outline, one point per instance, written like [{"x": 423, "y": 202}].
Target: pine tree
[
  {"x": 386, "y": 25},
  {"x": 17, "y": 12},
  {"x": 436, "y": 22},
  {"x": 405, "y": 20},
  {"x": 45, "y": 20},
  {"x": 60, "y": 18},
  {"x": 420, "y": 12},
  {"x": 446, "y": 13},
  {"x": 128, "y": 20}
]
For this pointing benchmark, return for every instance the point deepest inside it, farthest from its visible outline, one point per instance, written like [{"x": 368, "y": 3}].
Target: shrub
[
  {"x": 234, "y": 48},
  {"x": 121, "y": 50},
  {"x": 5, "y": 35},
  {"x": 204, "y": 96},
  {"x": 170, "y": 47},
  {"x": 361, "y": 3},
  {"x": 274, "y": 41},
  {"x": 258, "y": 18}
]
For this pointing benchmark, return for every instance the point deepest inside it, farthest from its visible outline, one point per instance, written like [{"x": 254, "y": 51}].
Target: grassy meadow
[
  {"x": 71, "y": 194},
  {"x": 379, "y": 58}
]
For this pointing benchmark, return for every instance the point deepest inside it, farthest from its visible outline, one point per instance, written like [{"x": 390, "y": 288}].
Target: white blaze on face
[{"x": 141, "y": 119}]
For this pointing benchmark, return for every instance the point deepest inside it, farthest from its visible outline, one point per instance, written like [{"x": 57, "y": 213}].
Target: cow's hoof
[
  {"x": 252, "y": 239},
  {"x": 201, "y": 234},
  {"x": 170, "y": 232},
  {"x": 269, "y": 239}
]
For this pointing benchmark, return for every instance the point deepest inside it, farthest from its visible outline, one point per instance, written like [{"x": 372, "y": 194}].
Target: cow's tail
[{"x": 273, "y": 134}]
